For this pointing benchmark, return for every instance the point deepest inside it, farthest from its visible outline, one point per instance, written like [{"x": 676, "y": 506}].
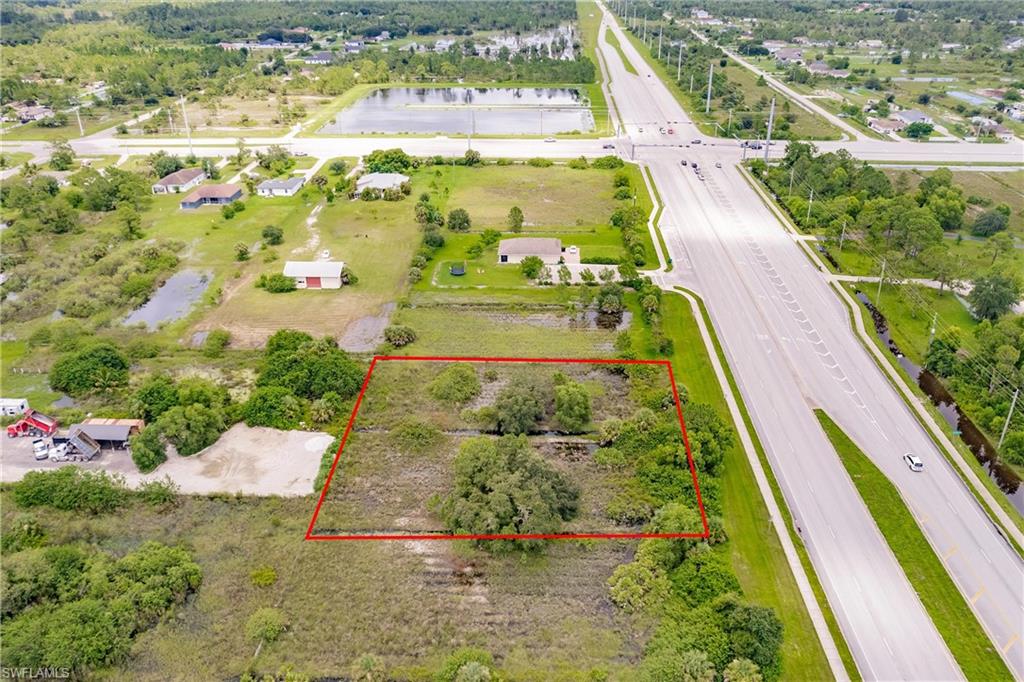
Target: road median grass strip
[{"x": 944, "y": 603}]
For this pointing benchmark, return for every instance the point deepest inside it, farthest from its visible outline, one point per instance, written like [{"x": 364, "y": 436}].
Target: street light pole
[
  {"x": 1006, "y": 424},
  {"x": 881, "y": 280},
  {"x": 188, "y": 129},
  {"x": 707, "y": 102},
  {"x": 768, "y": 135}
]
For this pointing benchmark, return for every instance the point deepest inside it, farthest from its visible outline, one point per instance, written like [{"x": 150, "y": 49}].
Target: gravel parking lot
[{"x": 247, "y": 460}]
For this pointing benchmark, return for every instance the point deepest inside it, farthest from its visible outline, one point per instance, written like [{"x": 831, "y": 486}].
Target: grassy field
[
  {"x": 340, "y": 605},
  {"x": 93, "y": 121},
  {"x": 947, "y": 608},
  {"x": 15, "y": 159},
  {"x": 24, "y": 374},
  {"x": 909, "y": 325}
]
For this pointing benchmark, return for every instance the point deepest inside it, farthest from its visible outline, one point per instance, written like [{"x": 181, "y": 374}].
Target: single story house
[
  {"x": 280, "y": 188},
  {"x": 820, "y": 68},
  {"x": 773, "y": 46},
  {"x": 909, "y": 116},
  {"x": 354, "y": 46},
  {"x": 115, "y": 436},
  {"x": 12, "y": 407},
  {"x": 886, "y": 125},
  {"x": 33, "y": 113},
  {"x": 548, "y": 249},
  {"x": 789, "y": 55},
  {"x": 212, "y": 194},
  {"x": 381, "y": 181},
  {"x": 315, "y": 274},
  {"x": 320, "y": 58},
  {"x": 179, "y": 181}
]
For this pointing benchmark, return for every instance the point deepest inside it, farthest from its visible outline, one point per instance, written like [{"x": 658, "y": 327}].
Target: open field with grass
[
  {"x": 909, "y": 325},
  {"x": 93, "y": 121},
  {"x": 15, "y": 159},
  {"x": 947, "y": 608},
  {"x": 340, "y": 605},
  {"x": 386, "y": 480}
]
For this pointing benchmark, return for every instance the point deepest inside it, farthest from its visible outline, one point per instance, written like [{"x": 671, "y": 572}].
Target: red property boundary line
[{"x": 509, "y": 536}]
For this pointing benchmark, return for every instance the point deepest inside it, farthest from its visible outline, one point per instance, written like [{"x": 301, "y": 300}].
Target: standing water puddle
[
  {"x": 984, "y": 451},
  {"x": 172, "y": 301}
]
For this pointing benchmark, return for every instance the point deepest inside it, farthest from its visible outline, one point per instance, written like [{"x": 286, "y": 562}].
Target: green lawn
[
  {"x": 15, "y": 159},
  {"x": 93, "y": 121},
  {"x": 589, "y": 18},
  {"x": 24, "y": 375},
  {"x": 947, "y": 608},
  {"x": 909, "y": 325}
]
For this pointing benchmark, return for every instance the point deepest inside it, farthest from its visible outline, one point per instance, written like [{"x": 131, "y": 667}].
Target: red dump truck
[{"x": 32, "y": 423}]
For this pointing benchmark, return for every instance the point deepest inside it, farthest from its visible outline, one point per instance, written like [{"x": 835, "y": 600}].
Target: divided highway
[{"x": 789, "y": 343}]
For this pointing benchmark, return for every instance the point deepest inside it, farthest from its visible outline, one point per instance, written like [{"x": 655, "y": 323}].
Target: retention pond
[{"x": 464, "y": 111}]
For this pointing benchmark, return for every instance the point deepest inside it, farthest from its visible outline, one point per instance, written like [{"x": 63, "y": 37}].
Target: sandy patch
[{"x": 247, "y": 460}]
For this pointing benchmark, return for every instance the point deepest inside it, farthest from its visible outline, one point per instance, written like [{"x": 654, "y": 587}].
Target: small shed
[
  {"x": 316, "y": 274},
  {"x": 13, "y": 407},
  {"x": 548, "y": 249}
]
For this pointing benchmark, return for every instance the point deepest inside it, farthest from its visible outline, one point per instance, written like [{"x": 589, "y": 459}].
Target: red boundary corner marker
[{"x": 508, "y": 536}]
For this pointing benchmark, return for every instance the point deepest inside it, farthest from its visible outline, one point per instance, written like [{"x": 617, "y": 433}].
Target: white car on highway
[{"x": 913, "y": 462}]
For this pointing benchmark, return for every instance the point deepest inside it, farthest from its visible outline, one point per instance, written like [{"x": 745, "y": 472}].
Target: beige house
[{"x": 548, "y": 249}]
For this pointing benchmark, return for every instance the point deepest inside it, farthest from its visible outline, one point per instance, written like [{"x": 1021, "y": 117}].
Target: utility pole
[
  {"x": 707, "y": 102},
  {"x": 1006, "y": 424},
  {"x": 768, "y": 135},
  {"x": 728, "y": 126},
  {"x": 188, "y": 129},
  {"x": 931, "y": 330},
  {"x": 679, "y": 62},
  {"x": 170, "y": 121},
  {"x": 78, "y": 115},
  {"x": 791, "y": 169},
  {"x": 878, "y": 298},
  {"x": 645, "y": 31},
  {"x": 661, "y": 31},
  {"x": 691, "y": 82},
  {"x": 842, "y": 237},
  {"x": 809, "y": 204}
]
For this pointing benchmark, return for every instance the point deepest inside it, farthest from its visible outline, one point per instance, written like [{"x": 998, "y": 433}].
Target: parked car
[
  {"x": 684, "y": 163},
  {"x": 913, "y": 462},
  {"x": 300, "y": 154},
  {"x": 640, "y": 129},
  {"x": 718, "y": 164},
  {"x": 661, "y": 130},
  {"x": 40, "y": 448},
  {"x": 694, "y": 165},
  {"x": 549, "y": 139},
  {"x": 671, "y": 131}
]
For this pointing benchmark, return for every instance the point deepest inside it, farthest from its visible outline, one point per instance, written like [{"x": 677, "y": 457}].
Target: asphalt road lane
[{"x": 784, "y": 315}]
